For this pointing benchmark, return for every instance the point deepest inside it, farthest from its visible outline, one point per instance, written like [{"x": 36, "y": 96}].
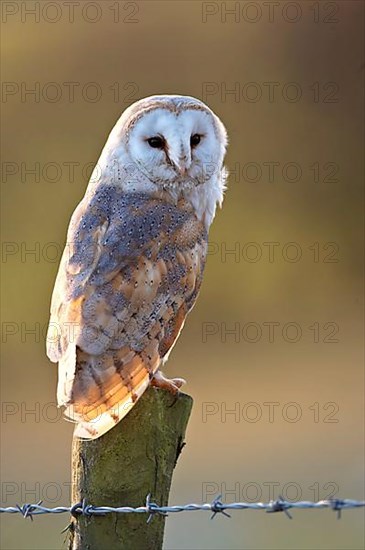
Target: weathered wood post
[{"x": 134, "y": 459}]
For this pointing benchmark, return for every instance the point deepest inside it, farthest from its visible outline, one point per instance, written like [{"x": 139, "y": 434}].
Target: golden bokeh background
[{"x": 193, "y": 48}]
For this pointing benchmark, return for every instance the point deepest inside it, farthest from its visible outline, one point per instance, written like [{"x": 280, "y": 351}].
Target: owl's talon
[
  {"x": 179, "y": 382},
  {"x": 172, "y": 385}
]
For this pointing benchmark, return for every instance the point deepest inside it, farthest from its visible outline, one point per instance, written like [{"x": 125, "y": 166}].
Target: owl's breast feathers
[{"x": 130, "y": 273}]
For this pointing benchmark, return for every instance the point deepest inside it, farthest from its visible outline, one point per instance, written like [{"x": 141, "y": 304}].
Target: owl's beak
[
  {"x": 182, "y": 170},
  {"x": 181, "y": 164}
]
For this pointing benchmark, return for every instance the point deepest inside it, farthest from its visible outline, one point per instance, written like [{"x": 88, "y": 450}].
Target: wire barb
[
  {"x": 217, "y": 507},
  {"x": 337, "y": 505},
  {"x": 153, "y": 508},
  {"x": 27, "y": 509},
  {"x": 279, "y": 505}
]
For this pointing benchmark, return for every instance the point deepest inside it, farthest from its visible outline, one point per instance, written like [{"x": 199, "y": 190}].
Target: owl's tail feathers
[
  {"x": 101, "y": 397},
  {"x": 94, "y": 422}
]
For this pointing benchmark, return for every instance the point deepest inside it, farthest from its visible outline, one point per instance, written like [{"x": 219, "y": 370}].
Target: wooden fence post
[{"x": 121, "y": 468}]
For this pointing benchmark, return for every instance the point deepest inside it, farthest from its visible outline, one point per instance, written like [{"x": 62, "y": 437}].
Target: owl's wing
[{"x": 130, "y": 273}]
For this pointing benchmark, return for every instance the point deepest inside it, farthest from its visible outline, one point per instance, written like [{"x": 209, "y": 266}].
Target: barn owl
[{"x": 134, "y": 259}]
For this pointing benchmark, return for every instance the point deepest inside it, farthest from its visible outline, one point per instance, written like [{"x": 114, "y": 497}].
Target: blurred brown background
[{"x": 135, "y": 49}]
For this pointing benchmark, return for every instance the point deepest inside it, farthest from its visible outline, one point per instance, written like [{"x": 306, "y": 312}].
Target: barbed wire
[{"x": 151, "y": 508}]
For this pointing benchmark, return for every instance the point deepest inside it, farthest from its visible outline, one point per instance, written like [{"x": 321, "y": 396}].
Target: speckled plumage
[{"x": 133, "y": 265}]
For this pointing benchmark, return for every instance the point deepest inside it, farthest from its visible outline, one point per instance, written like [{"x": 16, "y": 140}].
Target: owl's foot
[{"x": 172, "y": 385}]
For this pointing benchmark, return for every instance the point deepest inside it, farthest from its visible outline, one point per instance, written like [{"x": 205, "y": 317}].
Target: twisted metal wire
[{"x": 151, "y": 508}]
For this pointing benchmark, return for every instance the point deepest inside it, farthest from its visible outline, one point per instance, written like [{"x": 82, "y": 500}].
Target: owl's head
[
  {"x": 169, "y": 143},
  {"x": 171, "y": 139}
]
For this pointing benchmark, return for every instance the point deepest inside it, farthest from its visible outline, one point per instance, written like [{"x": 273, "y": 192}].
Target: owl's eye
[
  {"x": 195, "y": 140},
  {"x": 157, "y": 142}
]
